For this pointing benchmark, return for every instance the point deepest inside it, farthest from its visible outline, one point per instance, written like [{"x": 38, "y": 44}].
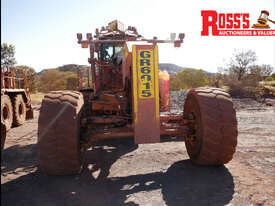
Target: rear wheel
[
  {"x": 19, "y": 110},
  {"x": 6, "y": 111},
  {"x": 59, "y": 149},
  {"x": 214, "y": 126}
]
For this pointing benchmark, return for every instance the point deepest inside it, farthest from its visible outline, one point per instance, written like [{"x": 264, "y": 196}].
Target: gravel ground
[{"x": 121, "y": 173}]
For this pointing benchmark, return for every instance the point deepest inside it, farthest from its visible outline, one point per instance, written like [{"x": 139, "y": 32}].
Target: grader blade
[{"x": 145, "y": 94}]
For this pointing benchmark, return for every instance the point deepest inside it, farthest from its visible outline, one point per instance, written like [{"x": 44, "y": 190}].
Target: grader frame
[
  {"x": 147, "y": 124},
  {"x": 123, "y": 101}
]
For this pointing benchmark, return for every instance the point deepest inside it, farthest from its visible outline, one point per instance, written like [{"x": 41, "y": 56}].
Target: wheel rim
[
  {"x": 193, "y": 140},
  {"x": 192, "y": 137},
  {"x": 20, "y": 109},
  {"x": 5, "y": 112}
]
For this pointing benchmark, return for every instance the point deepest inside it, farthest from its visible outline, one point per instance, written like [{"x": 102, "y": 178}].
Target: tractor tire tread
[
  {"x": 5, "y": 100},
  {"x": 58, "y": 133},
  {"x": 18, "y": 119},
  {"x": 218, "y": 119}
]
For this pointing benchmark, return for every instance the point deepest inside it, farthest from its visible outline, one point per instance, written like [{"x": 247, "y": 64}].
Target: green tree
[
  {"x": 31, "y": 76},
  {"x": 7, "y": 55},
  {"x": 215, "y": 80},
  {"x": 269, "y": 78},
  {"x": 189, "y": 78},
  {"x": 51, "y": 80},
  {"x": 71, "y": 80}
]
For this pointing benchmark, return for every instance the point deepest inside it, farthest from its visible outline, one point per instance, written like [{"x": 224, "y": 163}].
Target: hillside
[
  {"x": 173, "y": 68},
  {"x": 67, "y": 68},
  {"x": 170, "y": 68}
]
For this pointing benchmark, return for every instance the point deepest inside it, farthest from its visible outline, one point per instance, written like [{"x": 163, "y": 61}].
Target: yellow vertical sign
[
  {"x": 156, "y": 68},
  {"x": 146, "y": 75},
  {"x": 145, "y": 94},
  {"x": 135, "y": 85}
]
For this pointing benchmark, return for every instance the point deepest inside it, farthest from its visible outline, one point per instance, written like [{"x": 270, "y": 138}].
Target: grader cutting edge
[{"x": 124, "y": 102}]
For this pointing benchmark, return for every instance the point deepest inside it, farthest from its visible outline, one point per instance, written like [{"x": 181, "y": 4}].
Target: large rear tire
[
  {"x": 19, "y": 110},
  {"x": 6, "y": 111},
  {"x": 59, "y": 149},
  {"x": 214, "y": 124}
]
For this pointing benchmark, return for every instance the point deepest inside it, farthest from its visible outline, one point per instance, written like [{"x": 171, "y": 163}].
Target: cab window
[{"x": 107, "y": 51}]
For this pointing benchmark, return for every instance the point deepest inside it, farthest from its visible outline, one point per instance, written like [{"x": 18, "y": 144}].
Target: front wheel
[
  {"x": 214, "y": 126},
  {"x": 59, "y": 150}
]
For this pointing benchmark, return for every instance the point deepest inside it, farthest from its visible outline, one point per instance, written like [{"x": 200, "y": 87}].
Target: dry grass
[
  {"x": 226, "y": 88},
  {"x": 37, "y": 97},
  {"x": 267, "y": 83}
]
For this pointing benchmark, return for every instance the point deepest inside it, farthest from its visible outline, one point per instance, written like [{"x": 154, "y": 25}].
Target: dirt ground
[{"x": 121, "y": 173}]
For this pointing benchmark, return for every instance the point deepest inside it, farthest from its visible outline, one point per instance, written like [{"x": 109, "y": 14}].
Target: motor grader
[{"x": 123, "y": 101}]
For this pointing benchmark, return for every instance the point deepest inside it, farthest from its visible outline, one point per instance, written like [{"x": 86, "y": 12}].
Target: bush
[
  {"x": 244, "y": 88},
  {"x": 236, "y": 88},
  {"x": 51, "y": 80},
  {"x": 71, "y": 82},
  {"x": 189, "y": 78},
  {"x": 215, "y": 80},
  {"x": 270, "y": 78}
]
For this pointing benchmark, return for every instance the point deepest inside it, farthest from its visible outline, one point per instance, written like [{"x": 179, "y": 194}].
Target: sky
[{"x": 44, "y": 31}]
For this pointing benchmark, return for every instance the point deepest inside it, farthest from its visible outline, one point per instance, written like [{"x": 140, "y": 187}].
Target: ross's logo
[
  {"x": 262, "y": 21},
  {"x": 234, "y": 24}
]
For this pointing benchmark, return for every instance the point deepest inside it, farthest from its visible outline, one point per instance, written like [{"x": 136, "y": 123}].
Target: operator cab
[
  {"x": 109, "y": 52},
  {"x": 108, "y": 67}
]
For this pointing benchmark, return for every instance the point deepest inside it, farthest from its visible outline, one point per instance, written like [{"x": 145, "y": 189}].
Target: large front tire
[
  {"x": 59, "y": 149},
  {"x": 214, "y": 125}
]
